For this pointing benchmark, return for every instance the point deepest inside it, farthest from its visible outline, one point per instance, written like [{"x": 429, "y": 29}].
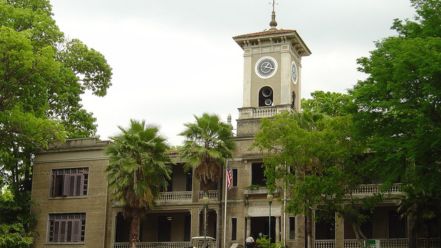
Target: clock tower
[{"x": 272, "y": 73}]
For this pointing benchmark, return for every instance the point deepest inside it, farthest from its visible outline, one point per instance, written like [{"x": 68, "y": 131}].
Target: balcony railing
[
  {"x": 262, "y": 112},
  {"x": 212, "y": 195},
  {"x": 174, "y": 196},
  {"x": 429, "y": 243},
  {"x": 353, "y": 243},
  {"x": 328, "y": 243},
  {"x": 370, "y": 189},
  {"x": 154, "y": 245}
]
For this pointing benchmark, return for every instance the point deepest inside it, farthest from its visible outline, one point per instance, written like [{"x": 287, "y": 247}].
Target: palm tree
[
  {"x": 138, "y": 169},
  {"x": 208, "y": 142}
]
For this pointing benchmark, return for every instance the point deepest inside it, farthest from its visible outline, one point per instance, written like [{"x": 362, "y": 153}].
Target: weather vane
[
  {"x": 273, "y": 23},
  {"x": 274, "y": 3}
]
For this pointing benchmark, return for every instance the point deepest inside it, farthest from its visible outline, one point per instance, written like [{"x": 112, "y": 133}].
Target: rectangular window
[
  {"x": 67, "y": 228},
  {"x": 234, "y": 177},
  {"x": 292, "y": 227},
  {"x": 233, "y": 228},
  {"x": 69, "y": 182},
  {"x": 257, "y": 174}
]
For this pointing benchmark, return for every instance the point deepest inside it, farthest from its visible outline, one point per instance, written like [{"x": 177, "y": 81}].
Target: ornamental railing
[
  {"x": 154, "y": 245},
  {"x": 262, "y": 112},
  {"x": 328, "y": 243},
  {"x": 394, "y": 243},
  {"x": 384, "y": 243},
  {"x": 370, "y": 189},
  {"x": 429, "y": 243},
  {"x": 212, "y": 195},
  {"x": 174, "y": 196}
]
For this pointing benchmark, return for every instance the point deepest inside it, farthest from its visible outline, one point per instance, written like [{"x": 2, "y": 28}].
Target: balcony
[
  {"x": 174, "y": 197},
  {"x": 384, "y": 243},
  {"x": 154, "y": 245},
  {"x": 262, "y": 112},
  {"x": 213, "y": 195},
  {"x": 371, "y": 189}
]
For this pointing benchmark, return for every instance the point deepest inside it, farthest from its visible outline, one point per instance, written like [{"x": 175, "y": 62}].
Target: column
[
  {"x": 218, "y": 228},
  {"x": 195, "y": 222},
  {"x": 339, "y": 231},
  {"x": 300, "y": 231},
  {"x": 113, "y": 225},
  {"x": 248, "y": 221},
  {"x": 278, "y": 229}
]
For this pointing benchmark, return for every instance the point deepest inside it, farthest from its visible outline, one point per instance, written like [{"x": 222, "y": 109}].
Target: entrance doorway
[{"x": 259, "y": 227}]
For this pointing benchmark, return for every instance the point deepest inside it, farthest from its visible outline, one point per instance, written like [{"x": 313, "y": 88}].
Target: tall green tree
[
  {"x": 399, "y": 110},
  {"x": 138, "y": 169},
  {"x": 314, "y": 155},
  {"x": 208, "y": 142},
  {"x": 42, "y": 78}
]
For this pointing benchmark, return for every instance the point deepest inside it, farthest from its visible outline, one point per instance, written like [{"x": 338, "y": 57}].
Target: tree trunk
[
  {"x": 134, "y": 229},
  {"x": 359, "y": 235}
]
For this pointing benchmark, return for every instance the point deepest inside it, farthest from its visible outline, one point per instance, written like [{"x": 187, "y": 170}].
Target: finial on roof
[{"x": 273, "y": 23}]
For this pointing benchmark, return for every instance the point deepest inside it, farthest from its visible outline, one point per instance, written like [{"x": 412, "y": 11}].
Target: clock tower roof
[{"x": 274, "y": 34}]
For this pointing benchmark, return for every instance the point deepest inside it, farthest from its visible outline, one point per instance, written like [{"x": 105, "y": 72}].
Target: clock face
[
  {"x": 294, "y": 73},
  {"x": 266, "y": 67}
]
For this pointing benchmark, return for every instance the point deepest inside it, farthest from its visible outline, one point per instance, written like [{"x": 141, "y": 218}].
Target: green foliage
[
  {"x": 315, "y": 154},
  {"x": 42, "y": 78},
  {"x": 138, "y": 167},
  {"x": 329, "y": 103},
  {"x": 263, "y": 242},
  {"x": 399, "y": 108},
  {"x": 208, "y": 142},
  {"x": 14, "y": 223}
]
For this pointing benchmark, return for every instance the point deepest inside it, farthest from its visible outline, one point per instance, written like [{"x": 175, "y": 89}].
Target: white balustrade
[
  {"x": 393, "y": 243},
  {"x": 369, "y": 189},
  {"x": 351, "y": 243},
  {"x": 154, "y": 245},
  {"x": 429, "y": 243},
  {"x": 328, "y": 243},
  {"x": 212, "y": 195},
  {"x": 262, "y": 112},
  {"x": 384, "y": 243},
  {"x": 174, "y": 196}
]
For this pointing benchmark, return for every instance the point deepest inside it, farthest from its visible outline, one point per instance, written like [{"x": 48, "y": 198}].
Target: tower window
[{"x": 266, "y": 96}]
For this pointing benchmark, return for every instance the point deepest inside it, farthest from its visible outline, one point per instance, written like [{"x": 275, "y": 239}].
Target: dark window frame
[
  {"x": 66, "y": 228},
  {"x": 292, "y": 228},
  {"x": 235, "y": 177},
  {"x": 69, "y": 182}
]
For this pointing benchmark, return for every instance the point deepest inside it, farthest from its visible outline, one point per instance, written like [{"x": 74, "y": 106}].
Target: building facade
[{"x": 74, "y": 207}]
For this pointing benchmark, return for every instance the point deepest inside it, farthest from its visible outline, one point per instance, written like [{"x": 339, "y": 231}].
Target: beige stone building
[{"x": 74, "y": 208}]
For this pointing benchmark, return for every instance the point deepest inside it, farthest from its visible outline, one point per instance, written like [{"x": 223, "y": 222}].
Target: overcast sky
[{"x": 173, "y": 59}]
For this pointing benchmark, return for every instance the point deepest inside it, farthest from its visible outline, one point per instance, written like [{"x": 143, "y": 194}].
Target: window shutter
[
  {"x": 79, "y": 184},
  {"x": 62, "y": 231},
  {"x": 56, "y": 230},
  {"x": 71, "y": 185},
  {"x": 76, "y": 231},
  {"x": 65, "y": 185}
]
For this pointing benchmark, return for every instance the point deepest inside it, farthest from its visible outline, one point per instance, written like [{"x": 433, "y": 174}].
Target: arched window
[{"x": 266, "y": 96}]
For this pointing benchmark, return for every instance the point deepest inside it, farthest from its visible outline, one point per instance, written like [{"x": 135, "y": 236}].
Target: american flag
[{"x": 229, "y": 177}]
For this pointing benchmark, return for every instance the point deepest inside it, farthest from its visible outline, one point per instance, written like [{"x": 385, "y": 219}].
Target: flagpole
[{"x": 225, "y": 205}]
